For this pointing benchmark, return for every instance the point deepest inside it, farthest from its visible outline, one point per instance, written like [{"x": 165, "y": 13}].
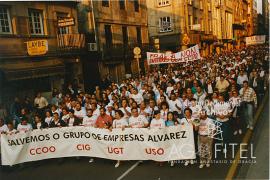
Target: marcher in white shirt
[
  {"x": 222, "y": 112},
  {"x": 3, "y": 126},
  {"x": 200, "y": 95},
  {"x": 79, "y": 112},
  {"x": 136, "y": 120},
  {"x": 136, "y": 96},
  {"x": 196, "y": 108},
  {"x": 65, "y": 115},
  {"x": 169, "y": 89},
  {"x": 175, "y": 104},
  {"x": 11, "y": 129},
  {"x": 157, "y": 122},
  {"x": 95, "y": 110},
  {"x": 119, "y": 123},
  {"x": 89, "y": 119},
  {"x": 164, "y": 110},
  {"x": 241, "y": 78},
  {"x": 48, "y": 118},
  {"x": 205, "y": 139},
  {"x": 125, "y": 108},
  {"x": 188, "y": 121},
  {"x": 24, "y": 126},
  {"x": 110, "y": 111},
  {"x": 235, "y": 102},
  {"x": 40, "y": 102}
]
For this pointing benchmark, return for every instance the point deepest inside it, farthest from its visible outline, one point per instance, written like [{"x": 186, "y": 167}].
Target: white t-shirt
[
  {"x": 48, "y": 120},
  {"x": 137, "y": 122},
  {"x": 13, "y": 131},
  {"x": 173, "y": 103},
  {"x": 79, "y": 114},
  {"x": 185, "y": 121},
  {"x": 164, "y": 114},
  {"x": 89, "y": 121},
  {"x": 137, "y": 97},
  {"x": 65, "y": 118},
  {"x": 222, "y": 109},
  {"x": 112, "y": 113},
  {"x": 39, "y": 125},
  {"x": 241, "y": 79},
  {"x": 196, "y": 111},
  {"x": 169, "y": 90},
  {"x": 160, "y": 123},
  {"x": 120, "y": 123},
  {"x": 206, "y": 127},
  {"x": 96, "y": 113},
  {"x": 42, "y": 102},
  {"x": 24, "y": 128},
  {"x": 3, "y": 128},
  {"x": 71, "y": 121},
  {"x": 127, "y": 108}
]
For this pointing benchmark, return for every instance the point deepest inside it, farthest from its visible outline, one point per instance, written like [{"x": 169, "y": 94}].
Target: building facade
[
  {"x": 115, "y": 28},
  {"x": 171, "y": 20},
  {"x": 40, "y": 47},
  {"x": 252, "y": 17},
  {"x": 240, "y": 22},
  {"x": 265, "y": 14},
  {"x": 223, "y": 24}
]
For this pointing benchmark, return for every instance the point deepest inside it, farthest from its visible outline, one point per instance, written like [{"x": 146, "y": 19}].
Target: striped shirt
[{"x": 248, "y": 95}]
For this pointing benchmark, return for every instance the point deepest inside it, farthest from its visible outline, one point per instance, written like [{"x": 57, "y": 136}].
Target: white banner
[
  {"x": 253, "y": 40},
  {"x": 190, "y": 54},
  {"x": 171, "y": 143}
]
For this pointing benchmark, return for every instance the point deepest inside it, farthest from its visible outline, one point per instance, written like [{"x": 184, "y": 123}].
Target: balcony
[{"x": 70, "y": 41}]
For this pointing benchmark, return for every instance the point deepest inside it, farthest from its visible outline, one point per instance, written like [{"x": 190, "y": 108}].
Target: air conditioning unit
[{"x": 92, "y": 46}]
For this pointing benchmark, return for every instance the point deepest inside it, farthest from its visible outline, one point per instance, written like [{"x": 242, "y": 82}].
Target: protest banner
[
  {"x": 171, "y": 143},
  {"x": 190, "y": 54},
  {"x": 253, "y": 40}
]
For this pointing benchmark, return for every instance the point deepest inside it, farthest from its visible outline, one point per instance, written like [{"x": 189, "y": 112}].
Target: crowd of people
[{"x": 225, "y": 88}]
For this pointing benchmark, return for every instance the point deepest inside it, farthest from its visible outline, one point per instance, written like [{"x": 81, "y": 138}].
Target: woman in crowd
[{"x": 119, "y": 123}]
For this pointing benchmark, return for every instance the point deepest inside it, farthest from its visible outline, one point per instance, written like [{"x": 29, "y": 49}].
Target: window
[
  {"x": 209, "y": 6},
  {"x": 201, "y": 4},
  {"x": 105, "y": 3},
  {"x": 5, "y": 24},
  {"x": 139, "y": 35},
  {"x": 136, "y": 5},
  {"x": 165, "y": 24},
  {"x": 163, "y": 2},
  {"x": 62, "y": 30},
  {"x": 195, "y": 20},
  {"x": 108, "y": 35},
  {"x": 202, "y": 24},
  {"x": 210, "y": 25},
  {"x": 190, "y": 20},
  {"x": 125, "y": 35},
  {"x": 35, "y": 22},
  {"x": 122, "y": 4}
]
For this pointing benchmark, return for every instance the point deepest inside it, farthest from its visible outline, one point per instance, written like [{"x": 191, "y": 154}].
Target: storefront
[
  {"x": 207, "y": 41},
  {"x": 23, "y": 79}
]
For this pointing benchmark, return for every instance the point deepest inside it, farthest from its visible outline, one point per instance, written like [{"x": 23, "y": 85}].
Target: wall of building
[{"x": 13, "y": 49}]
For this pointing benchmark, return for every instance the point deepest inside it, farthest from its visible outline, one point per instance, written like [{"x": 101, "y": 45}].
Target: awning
[{"x": 32, "y": 69}]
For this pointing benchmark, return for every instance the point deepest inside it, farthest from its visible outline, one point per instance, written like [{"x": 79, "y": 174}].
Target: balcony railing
[{"x": 70, "y": 41}]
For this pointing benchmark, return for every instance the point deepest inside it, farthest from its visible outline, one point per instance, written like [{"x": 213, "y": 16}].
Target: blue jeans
[{"x": 248, "y": 113}]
